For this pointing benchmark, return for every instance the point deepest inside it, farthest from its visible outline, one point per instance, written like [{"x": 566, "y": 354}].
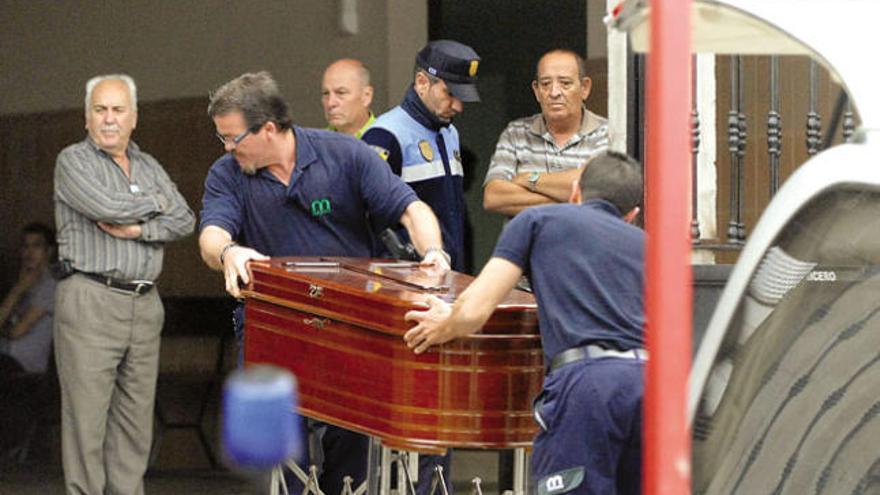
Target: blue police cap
[{"x": 455, "y": 63}]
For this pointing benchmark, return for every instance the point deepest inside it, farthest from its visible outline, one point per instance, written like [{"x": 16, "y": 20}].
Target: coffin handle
[{"x": 316, "y": 322}]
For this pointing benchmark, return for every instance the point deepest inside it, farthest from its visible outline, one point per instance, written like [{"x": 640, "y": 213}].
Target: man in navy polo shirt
[
  {"x": 283, "y": 190},
  {"x": 421, "y": 145},
  {"x": 585, "y": 263}
]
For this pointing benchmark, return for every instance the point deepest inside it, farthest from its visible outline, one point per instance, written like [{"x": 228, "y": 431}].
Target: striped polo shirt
[{"x": 526, "y": 145}]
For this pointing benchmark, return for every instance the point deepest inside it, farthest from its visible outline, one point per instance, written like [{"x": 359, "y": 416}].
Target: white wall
[{"x": 185, "y": 48}]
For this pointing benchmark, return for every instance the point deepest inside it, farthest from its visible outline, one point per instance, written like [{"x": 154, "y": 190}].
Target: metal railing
[{"x": 769, "y": 86}]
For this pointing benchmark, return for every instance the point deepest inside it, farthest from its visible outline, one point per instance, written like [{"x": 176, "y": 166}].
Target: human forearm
[
  {"x": 76, "y": 186},
  {"x": 509, "y": 198},
  {"x": 556, "y": 186},
  {"x": 212, "y": 240},
  {"x": 221, "y": 253},
  {"x": 470, "y": 312},
  {"x": 477, "y": 303},
  {"x": 9, "y": 302},
  {"x": 27, "y": 322},
  {"x": 420, "y": 222},
  {"x": 179, "y": 222}
]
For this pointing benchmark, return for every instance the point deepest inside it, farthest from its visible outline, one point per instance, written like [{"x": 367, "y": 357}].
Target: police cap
[{"x": 454, "y": 63}]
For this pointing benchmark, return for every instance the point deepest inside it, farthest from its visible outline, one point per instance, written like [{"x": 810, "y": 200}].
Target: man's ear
[
  {"x": 631, "y": 216},
  {"x": 575, "y": 198},
  {"x": 536, "y": 91},
  {"x": 586, "y": 87},
  {"x": 421, "y": 83},
  {"x": 368, "y": 96}
]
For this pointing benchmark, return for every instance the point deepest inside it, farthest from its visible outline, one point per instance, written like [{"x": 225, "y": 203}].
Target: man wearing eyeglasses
[
  {"x": 115, "y": 208},
  {"x": 284, "y": 190}
]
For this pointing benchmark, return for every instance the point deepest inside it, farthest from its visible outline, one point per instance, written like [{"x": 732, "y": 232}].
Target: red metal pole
[{"x": 668, "y": 272}]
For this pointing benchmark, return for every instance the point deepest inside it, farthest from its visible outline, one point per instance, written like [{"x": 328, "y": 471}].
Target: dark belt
[
  {"x": 138, "y": 287},
  {"x": 594, "y": 351}
]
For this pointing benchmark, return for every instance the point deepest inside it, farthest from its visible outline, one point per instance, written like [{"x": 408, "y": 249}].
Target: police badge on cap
[{"x": 455, "y": 63}]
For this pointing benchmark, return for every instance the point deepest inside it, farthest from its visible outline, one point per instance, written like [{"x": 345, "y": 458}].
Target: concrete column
[
  {"x": 407, "y": 32},
  {"x": 617, "y": 47}
]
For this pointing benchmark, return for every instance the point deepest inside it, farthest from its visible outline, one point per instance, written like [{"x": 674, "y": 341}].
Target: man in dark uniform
[
  {"x": 284, "y": 190},
  {"x": 421, "y": 145},
  {"x": 585, "y": 262}
]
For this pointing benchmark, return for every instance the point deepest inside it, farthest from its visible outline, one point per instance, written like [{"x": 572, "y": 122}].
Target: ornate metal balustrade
[{"x": 755, "y": 96}]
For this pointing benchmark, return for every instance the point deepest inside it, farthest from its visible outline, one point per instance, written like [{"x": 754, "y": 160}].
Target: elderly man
[
  {"x": 538, "y": 157},
  {"x": 260, "y": 201},
  {"x": 419, "y": 142},
  {"x": 115, "y": 208},
  {"x": 346, "y": 95},
  {"x": 585, "y": 262}
]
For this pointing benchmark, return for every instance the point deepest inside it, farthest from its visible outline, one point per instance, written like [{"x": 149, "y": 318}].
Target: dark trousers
[
  {"x": 427, "y": 464},
  {"x": 17, "y": 396},
  {"x": 590, "y": 437}
]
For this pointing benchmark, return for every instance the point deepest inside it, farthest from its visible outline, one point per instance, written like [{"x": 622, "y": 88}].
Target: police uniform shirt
[
  {"x": 586, "y": 267},
  {"x": 337, "y": 180},
  {"x": 425, "y": 153}
]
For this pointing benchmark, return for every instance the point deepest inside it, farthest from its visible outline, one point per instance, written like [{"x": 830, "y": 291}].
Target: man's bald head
[{"x": 346, "y": 95}]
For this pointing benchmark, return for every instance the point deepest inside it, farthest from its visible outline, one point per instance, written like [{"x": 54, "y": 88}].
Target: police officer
[{"x": 419, "y": 142}]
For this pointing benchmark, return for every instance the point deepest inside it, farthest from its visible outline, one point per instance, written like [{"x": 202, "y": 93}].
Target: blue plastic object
[{"x": 260, "y": 424}]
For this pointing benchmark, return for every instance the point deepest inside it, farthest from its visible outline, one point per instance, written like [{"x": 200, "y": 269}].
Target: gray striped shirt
[
  {"x": 90, "y": 187},
  {"x": 527, "y": 146}
]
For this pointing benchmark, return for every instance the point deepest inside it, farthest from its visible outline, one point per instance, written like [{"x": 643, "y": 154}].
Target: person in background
[
  {"x": 26, "y": 335},
  {"x": 420, "y": 143},
  {"x": 346, "y": 95},
  {"x": 538, "y": 157},
  {"x": 115, "y": 208}
]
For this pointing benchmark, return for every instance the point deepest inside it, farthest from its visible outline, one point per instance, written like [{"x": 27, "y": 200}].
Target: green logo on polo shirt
[{"x": 320, "y": 207}]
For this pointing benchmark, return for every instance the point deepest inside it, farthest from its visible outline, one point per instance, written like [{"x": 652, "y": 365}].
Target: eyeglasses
[{"x": 235, "y": 140}]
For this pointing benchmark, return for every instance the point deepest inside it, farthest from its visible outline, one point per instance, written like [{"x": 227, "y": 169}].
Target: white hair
[{"x": 132, "y": 88}]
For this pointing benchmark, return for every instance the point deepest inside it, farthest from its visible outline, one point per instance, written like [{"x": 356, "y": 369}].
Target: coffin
[{"x": 338, "y": 323}]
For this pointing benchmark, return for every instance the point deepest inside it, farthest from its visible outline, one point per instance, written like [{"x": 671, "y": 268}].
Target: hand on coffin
[
  {"x": 432, "y": 326},
  {"x": 436, "y": 260},
  {"x": 235, "y": 267}
]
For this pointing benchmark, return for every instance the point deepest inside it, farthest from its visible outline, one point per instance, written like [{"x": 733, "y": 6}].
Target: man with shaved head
[{"x": 346, "y": 95}]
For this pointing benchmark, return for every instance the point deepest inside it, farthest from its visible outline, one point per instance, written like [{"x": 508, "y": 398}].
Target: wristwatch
[{"x": 533, "y": 181}]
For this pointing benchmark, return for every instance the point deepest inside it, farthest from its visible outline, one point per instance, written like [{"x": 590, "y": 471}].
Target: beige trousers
[{"x": 107, "y": 352}]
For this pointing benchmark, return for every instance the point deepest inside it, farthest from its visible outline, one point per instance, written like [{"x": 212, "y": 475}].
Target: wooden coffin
[{"x": 337, "y": 324}]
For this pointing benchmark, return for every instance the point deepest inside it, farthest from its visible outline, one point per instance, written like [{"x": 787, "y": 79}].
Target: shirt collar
[
  {"x": 602, "y": 205},
  {"x": 132, "y": 146},
  {"x": 589, "y": 123},
  {"x": 362, "y": 130},
  {"x": 305, "y": 152},
  {"x": 415, "y": 107}
]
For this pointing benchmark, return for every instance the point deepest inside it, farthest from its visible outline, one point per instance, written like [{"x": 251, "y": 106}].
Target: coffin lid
[{"x": 374, "y": 293}]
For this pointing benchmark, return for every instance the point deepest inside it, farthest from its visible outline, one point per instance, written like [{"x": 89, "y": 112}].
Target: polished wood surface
[{"x": 337, "y": 324}]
